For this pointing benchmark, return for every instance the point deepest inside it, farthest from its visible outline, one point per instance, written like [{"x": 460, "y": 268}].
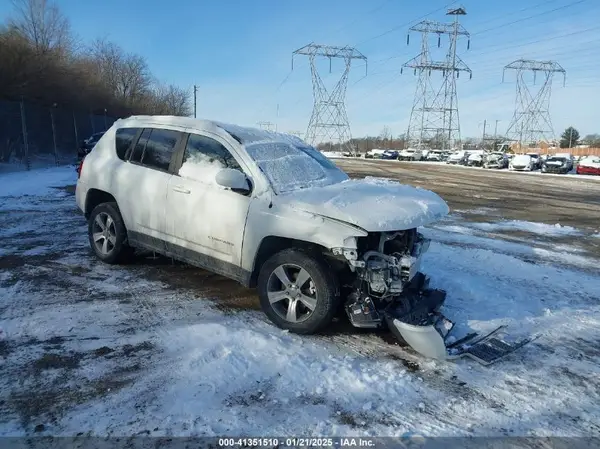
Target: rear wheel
[
  {"x": 297, "y": 291},
  {"x": 108, "y": 235}
]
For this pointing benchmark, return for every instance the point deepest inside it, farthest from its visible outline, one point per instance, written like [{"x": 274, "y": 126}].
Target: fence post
[
  {"x": 25, "y": 143},
  {"x": 54, "y": 134},
  {"x": 92, "y": 122},
  {"x": 76, "y": 136}
]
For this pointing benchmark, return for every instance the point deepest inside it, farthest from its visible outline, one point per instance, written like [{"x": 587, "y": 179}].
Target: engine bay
[{"x": 385, "y": 265}]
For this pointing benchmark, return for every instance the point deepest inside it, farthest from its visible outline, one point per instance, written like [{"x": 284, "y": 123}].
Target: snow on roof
[{"x": 244, "y": 134}]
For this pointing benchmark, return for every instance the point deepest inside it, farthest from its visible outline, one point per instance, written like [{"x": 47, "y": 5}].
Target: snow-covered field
[{"x": 91, "y": 348}]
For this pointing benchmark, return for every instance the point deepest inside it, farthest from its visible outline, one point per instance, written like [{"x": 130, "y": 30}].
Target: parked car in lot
[
  {"x": 521, "y": 162},
  {"x": 375, "y": 153},
  {"x": 559, "y": 163},
  {"x": 535, "y": 160},
  {"x": 389, "y": 154},
  {"x": 589, "y": 165},
  {"x": 263, "y": 208},
  {"x": 458, "y": 157},
  {"x": 410, "y": 154},
  {"x": 87, "y": 144},
  {"x": 495, "y": 159},
  {"x": 434, "y": 156},
  {"x": 475, "y": 159}
]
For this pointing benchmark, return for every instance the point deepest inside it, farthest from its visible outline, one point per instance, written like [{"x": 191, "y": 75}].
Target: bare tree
[
  {"x": 42, "y": 23},
  {"x": 175, "y": 100},
  {"x": 127, "y": 75}
]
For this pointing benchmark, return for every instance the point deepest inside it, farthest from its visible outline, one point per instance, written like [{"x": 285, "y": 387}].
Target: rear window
[{"x": 123, "y": 140}]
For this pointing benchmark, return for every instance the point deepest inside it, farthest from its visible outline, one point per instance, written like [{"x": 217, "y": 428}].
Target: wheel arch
[
  {"x": 95, "y": 197},
  {"x": 271, "y": 245}
]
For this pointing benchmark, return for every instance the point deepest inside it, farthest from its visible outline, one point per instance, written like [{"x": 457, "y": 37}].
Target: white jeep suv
[{"x": 263, "y": 208}]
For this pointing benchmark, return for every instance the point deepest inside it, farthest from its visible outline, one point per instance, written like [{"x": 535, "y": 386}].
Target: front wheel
[{"x": 297, "y": 291}]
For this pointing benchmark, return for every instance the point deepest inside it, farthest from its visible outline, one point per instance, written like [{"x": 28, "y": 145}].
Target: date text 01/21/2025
[{"x": 296, "y": 442}]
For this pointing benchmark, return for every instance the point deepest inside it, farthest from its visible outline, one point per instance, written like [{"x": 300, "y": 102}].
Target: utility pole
[
  {"x": 329, "y": 120},
  {"x": 195, "y": 90},
  {"x": 531, "y": 121},
  {"x": 434, "y": 115},
  {"x": 496, "y": 129},
  {"x": 484, "y": 125}
]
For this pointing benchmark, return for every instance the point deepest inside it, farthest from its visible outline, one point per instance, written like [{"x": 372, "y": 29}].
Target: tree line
[{"x": 42, "y": 61}]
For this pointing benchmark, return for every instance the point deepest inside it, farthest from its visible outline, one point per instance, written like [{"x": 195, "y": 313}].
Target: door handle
[{"x": 181, "y": 189}]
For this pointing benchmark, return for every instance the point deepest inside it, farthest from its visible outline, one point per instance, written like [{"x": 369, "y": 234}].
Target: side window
[
  {"x": 138, "y": 150},
  {"x": 160, "y": 148},
  {"x": 204, "y": 157},
  {"x": 123, "y": 140}
]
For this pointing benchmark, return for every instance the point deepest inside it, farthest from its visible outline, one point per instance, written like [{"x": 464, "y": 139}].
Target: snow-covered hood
[
  {"x": 373, "y": 204},
  {"x": 456, "y": 156},
  {"x": 521, "y": 159},
  {"x": 476, "y": 157},
  {"x": 494, "y": 157}
]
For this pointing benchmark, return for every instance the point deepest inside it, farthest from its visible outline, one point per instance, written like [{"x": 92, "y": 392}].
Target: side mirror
[{"x": 233, "y": 179}]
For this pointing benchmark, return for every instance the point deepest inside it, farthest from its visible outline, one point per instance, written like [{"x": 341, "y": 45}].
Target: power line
[
  {"x": 537, "y": 41},
  {"x": 396, "y": 28},
  {"x": 372, "y": 11},
  {"x": 512, "y": 13},
  {"x": 523, "y": 19}
]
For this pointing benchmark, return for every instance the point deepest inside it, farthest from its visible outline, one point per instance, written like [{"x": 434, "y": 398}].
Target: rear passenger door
[{"x": 144, "y": 180}]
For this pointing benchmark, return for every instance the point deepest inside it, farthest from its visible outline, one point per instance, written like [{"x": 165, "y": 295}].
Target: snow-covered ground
[{"x": 87, "y": 347}]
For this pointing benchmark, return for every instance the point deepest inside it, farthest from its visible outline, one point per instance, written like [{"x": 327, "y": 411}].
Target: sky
[{"x": 239, "y": 54}]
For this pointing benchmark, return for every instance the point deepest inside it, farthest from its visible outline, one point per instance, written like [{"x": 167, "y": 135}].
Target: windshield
[{"x": 287, "y": 161}]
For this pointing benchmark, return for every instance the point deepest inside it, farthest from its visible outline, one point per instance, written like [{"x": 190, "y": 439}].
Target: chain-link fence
[{"x": 33, "y": 136}]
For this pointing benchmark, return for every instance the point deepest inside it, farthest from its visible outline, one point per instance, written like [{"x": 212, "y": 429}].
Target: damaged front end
[{"x": 389, "y": 291}]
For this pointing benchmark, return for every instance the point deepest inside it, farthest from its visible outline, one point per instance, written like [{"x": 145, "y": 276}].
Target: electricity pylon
[
  {"x": 434, "y": 120},
  {"x": 531, "y": 123},
  {"x": 329, "y": 121}
]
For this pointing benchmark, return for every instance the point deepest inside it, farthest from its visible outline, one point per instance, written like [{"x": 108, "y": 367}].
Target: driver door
[{"x": 205, "y": 222}]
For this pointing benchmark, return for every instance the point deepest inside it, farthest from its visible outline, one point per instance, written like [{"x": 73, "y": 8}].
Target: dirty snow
[
  {"x": 35, "y": 182},
  {"x": 120, "y": 350},
  {"x": 373, "y": 204},
  {"x": 527, "y": 226}
]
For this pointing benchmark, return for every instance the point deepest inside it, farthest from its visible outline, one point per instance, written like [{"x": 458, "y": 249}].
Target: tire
[
  {"x": 116, "y": 249},
  {"x": 324, "y": 298}
]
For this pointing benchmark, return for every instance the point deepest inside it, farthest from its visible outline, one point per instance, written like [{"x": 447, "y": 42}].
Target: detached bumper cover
[{"x": 416, "y": 321}]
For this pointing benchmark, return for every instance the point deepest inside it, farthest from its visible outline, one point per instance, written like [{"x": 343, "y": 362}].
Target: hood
[
  {"x": 373, "y": 204},
  {"x": 456, "y": 156},
  {"x": 521, "y": 160},
  {"x": 494, "y": 157}
]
